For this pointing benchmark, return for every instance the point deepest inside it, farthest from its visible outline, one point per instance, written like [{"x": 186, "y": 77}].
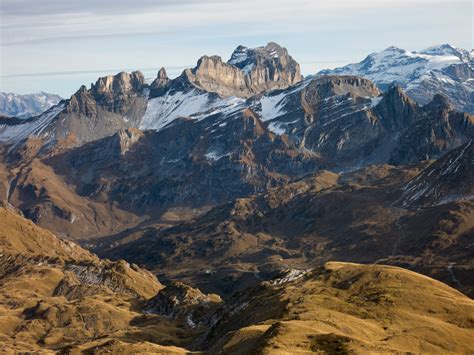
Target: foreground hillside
[
  {"x": 343, "y": 308},
  {"x": 54, "y": 296}
]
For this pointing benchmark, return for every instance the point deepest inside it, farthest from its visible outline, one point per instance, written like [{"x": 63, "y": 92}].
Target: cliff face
[
  {"x": 268, "y": 68},
  {"x": 114, "y": 93},
  {"x": 248, "y": 72},
  {"x": 114, "y": 102}
]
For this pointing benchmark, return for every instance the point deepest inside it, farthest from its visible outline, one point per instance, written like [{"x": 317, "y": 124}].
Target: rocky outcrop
[
  {"x": 112, "y": 103},
  {"x": 248, "y": 72},
  {"x": 268, "y": 68},
  {"x": 181, "y": 302},
  {"x": 111, "y": 93},
  {"x": 159, "y": 86},
  {"x": 127, "y": 138},
  {"x": 83, "y": 102}
]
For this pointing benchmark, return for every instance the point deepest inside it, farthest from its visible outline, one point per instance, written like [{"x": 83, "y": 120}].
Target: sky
[{"x": 58, "y": 45}]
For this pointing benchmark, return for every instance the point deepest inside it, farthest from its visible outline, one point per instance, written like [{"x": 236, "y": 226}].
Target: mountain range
[
  {"x": 442, "y": 69},
  {"x": 239, "y": 184},
  {"x": 24, "y": 106}
]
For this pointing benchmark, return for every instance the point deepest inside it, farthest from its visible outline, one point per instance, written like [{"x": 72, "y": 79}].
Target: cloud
[
  {"x": 26, "y": 22},
  {"x": 45, "y": 37},
  {"x": 61, "y": 7}
]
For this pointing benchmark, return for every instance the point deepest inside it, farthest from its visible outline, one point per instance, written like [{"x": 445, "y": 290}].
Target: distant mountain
[
  {"x": 197, "y": 149},
  {"x": 126, "y": 101},
  {"x": 442, "y": 69},
  {"x": 24, "y": 106}
]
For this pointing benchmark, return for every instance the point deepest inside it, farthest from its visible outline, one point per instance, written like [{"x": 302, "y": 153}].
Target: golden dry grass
[{"x": 348, "y": 307}]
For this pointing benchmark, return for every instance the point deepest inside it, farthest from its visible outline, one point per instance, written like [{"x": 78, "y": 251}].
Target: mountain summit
[
  {"x": 441, "y": 69},
  {"x": 249, "y": 71}
]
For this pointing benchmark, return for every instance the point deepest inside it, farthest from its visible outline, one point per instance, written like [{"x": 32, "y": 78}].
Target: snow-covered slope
[
  {"x": 24, "y": 106},
  {"x": 440, "y": 69},
  {"x": 193, "y": 103},
  {"x": 14, "y": 130},
  {"x": 451, "y": 178}
]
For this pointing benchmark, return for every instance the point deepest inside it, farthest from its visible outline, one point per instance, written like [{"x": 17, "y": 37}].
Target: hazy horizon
[{"x": 57, "y": 46}]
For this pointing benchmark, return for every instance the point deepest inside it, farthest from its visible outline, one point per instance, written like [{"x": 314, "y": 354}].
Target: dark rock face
[
  {"x": 450, "y": 178},
  {"x": 180, "y": 166},
  {"x": 83, "y": 102}
]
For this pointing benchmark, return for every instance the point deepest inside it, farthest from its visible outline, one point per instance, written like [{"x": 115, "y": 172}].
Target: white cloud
[{"x": 70, "y": 35}]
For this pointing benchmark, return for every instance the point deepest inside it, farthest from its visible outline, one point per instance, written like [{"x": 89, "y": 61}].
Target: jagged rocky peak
[
  {"x": 120, "y": 83},
  {"x": 160, "y": 84},
  {"x": 249, "y": 71},
  {"x": 396, "y": 108},
  {"x": 82, "y": 102},
  {"x": 269, "y": 64},
  {"x": 113, "y": 93}
]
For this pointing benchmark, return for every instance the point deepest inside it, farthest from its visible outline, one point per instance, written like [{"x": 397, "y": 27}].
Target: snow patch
[
  {"x": 291, "y": 275},
  {"x": 194, "y": 104},
  {"x": 272, "y": 106},
  {"x": 213, "y": 155},
  {"x": 276, "y": 127}
]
